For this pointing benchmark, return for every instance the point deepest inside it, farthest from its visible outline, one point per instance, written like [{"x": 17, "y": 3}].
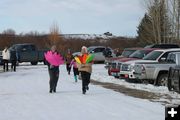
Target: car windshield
[
  {"x": 139, "y": 54},
  {"x": 127, "y": 53},
  {"x": 90, "y": 49},
  {"x": 14, "y": 47},
  {"x": 153, "y": 55}
]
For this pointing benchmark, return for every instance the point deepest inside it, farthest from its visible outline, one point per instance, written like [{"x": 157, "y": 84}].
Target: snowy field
[{"x": 24, "y": 96}]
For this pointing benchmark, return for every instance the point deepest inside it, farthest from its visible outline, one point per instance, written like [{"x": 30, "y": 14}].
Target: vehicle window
[
  {"x": 13, "y": 47},
  {"x": 102, "y": 49},
  {"x": 153, "y": 55},
  {"x": 127, "y": 53},
  {"x": 165, "y": 55},
  {"x": 139, "y": 54},
  {"x": 26, "y": 48},
  {"x": 99, "y": 50},
  {"x": 171, "y": 58},
  {"x": 32, "y": 47},
  {"x": 90, "y": 49}
]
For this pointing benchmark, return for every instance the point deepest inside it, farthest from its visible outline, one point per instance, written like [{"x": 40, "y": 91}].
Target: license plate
[
  {"x": 126, "y": 76},
  {"x": 114, "y": 74}
]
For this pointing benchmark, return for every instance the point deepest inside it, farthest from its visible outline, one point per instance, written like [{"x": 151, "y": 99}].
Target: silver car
[{"x": 100, "y": 53}]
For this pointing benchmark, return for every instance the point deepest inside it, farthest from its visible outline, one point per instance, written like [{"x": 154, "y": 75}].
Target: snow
[
  {"x": 101, "y": 75},
  {"x": 24, "y": 96},
  {"x": 88, "y": 36}
]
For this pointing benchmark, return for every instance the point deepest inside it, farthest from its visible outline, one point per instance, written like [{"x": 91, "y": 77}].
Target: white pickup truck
[
  {"x": 155, "y": 57},
  {"x": 158, "y": 71}
]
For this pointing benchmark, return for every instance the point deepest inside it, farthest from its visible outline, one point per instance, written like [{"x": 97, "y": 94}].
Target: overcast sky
[{"x": 121, "y": 17}]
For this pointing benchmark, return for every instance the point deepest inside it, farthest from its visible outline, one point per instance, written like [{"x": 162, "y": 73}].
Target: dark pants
[
  {"x": 76, "y": 72},
  {"x": 13, "y": 65},
  {"x": 54, "y": 76},
  {"x": 85, "y": 80},
  {"x": 5, "y": 65},
  {"x": 68, "y": 68}
]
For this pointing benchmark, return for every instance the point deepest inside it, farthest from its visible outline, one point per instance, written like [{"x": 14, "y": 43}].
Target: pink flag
[{"x": 54, "y": 58}]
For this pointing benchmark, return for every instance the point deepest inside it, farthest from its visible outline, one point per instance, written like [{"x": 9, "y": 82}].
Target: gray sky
[{"x": 121, "y": 17}]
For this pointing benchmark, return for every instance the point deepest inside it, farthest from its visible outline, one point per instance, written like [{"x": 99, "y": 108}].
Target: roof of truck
[{"x": 167, "y": 50}]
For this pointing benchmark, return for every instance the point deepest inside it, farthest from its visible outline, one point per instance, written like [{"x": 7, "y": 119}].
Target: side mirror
[
  {"x": 92, "y": 51},
  {"x": 162, "y": 59}
]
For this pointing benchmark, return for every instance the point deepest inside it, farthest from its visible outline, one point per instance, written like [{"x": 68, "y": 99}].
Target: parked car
[
  {"x": 138, "y": 54},
  {"x": 125, "y": 54},
  {"x": 152, "y": 69},
  {"x": 28, "y": 52},
  {"x": 163, "y": 46},
  {"x": 100, "y": 53}
]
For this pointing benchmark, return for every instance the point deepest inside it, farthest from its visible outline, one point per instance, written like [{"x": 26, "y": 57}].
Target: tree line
[{"x": 45, "y": 41}]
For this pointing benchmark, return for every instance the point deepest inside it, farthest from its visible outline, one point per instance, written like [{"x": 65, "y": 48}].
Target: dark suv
[
  {"x": 28, "y": 52},
  {"x": 163, "y": 46}
]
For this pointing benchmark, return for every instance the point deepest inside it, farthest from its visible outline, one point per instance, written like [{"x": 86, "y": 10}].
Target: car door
[
  {"x": 98, "y": 54},
  {"x": 28, "y": 53}
]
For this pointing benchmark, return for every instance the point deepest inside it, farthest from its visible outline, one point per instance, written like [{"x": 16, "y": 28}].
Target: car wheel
[
  {"x": 163, "y": 80},
  {"x": 116, "y": 77},
  {"x": 34, "y": 63}
]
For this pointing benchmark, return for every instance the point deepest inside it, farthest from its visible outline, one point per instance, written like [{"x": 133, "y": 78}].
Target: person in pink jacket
[{"x": 75, "y": 69}]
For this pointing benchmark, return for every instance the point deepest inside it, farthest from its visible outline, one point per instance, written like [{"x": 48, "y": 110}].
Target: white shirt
[{"x": 6, "y": 54}]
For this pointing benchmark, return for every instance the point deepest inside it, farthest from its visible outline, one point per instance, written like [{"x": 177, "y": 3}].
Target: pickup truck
[
  {"x": 130, "y": 70},
  {"x": 125, "y": 54},
  {"x": 138, "y": 54},
  {"x": 28, "y": 52},
  {"x": 157, "y": 72}
]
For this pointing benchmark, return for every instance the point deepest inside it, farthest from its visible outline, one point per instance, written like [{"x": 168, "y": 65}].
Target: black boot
[
  {"x": 50, "y": 91},
  {"x": 84, "y": 90},
  {"x": 87, "y": 88},
  {"x": 54, "y": 90}
]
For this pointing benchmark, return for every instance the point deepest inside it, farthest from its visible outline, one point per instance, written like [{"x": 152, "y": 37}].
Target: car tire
[
  {"x": 162, "y": 80},
  {"x": 34, "y": 63},
  {"x": 116, "y": 77}
]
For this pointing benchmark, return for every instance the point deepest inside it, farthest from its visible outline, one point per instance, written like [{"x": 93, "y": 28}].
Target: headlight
[
  {"x": 143, "y": 70},
  {"x": 130, "y": 67}
]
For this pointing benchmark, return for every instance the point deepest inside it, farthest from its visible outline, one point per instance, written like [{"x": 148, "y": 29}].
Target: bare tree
[
  {"x": 9, "y": 32},
  {"x": 174, "y": 14},
  {"x": 54, "y": 37}
]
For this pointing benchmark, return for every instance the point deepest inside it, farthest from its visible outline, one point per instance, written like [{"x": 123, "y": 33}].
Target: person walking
[
  {"x": 6, "y": 58},
  {"x": 85, "y": 71},
  {"x": 75, "y": 69},
  {"x": 51, "y": 57},
  {"x": 13, "y": 59},
  {"x": 69, "y": 58}
]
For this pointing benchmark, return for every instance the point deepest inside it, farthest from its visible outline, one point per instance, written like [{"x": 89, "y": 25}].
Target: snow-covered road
[{"x": 24, "y": 96}]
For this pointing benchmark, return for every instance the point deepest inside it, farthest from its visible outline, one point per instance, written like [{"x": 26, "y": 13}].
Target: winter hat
[
  {"x": 53, "y": 48},
  {"x": 84, "y": 49}
]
